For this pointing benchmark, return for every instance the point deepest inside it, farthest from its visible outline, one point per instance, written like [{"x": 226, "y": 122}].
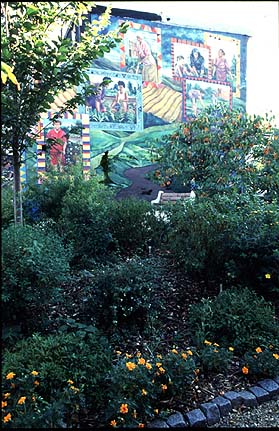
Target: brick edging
[{"x": 211, "y": 412}]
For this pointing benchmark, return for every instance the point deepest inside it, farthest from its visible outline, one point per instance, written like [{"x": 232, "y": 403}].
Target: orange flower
[
  {"x": 245, "y": 370},
  {"x": 141, "y": 361},
  {"x": 164, "y": 387},
  {"x": 113, "y": 423},
  {"x": 124, "y": 408},
  {"x": 34, "y": 373},
  {"x": 148, "y": 366},
  {"x": 4, "y": 404},
  {"x": 143, "y": 392},
  {"x": 7, "y": 418},
  {"x": 36, "y": 383},
  {"x": 131, "y": 366},
  {"x": 21, "y": 400},
  {"x": 10, "y": 376},
  {"x": 275, "y": 355},
  {"x": 184, "y": 356},
  {"x": 190, "y": 352},
  {"x": 258, "y": 350}
]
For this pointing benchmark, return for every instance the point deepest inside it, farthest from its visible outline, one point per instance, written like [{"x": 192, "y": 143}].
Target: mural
[
  {"x": 190, "y": 59},
  {"x": 115, "y": 102},
  {"x": 225, "y": 59},
  {"x": 156, "y": 77},
  {"x": 141, "y": 52},
  {"x": 199, "y": 94},
  {"x": 63, "y": 141}
]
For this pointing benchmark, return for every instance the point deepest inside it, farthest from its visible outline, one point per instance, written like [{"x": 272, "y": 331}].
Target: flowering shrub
[
  {"x": 262, "y": 362},
  {"x": 140, "y": 383},
  {"x": 24, "y": 407},
  {"x": 213, "y": 357}
]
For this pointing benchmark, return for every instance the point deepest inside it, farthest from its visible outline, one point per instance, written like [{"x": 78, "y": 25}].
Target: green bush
[
  {"x": 134, "y": 226},
  {"x": 223, "y": 151},
  {"x": 83, "y": 357},
  {"x": 237, "y": 318},
  {"x": 84, "y": 221},
  {"x": 34, "y": 265},
  {"x": 7, "y": 209},
  {"x": 120, "y": 295},
  {"x": 262, "y": 362}
]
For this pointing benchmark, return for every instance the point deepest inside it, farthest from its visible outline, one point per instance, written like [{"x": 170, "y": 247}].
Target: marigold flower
[
  {"x": 124, "y": 408},
  {"x": 275, "y": 355},
  {"x": 258, "y": 350},
  {"x": 4, "y": 404},
  {"x": 144, "y": 392},
  {"x": 34, "y": 373},
  {"x": 148, "y": 366},
  {"x": 245, "y": 370},
  {"x": 131, "y": 366},
  {"x": 141, "y": 361},
  {"x": 267, "y": 276},
  {"x": 21, "y": 400},
  {"x": 113, "y": 423},
  {"x": 7, "y": 418},
  {"x": 10, "y": 376},
  {"x": 164, "y": 387}
]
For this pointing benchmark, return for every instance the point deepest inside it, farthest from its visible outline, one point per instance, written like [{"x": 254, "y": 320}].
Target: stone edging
[{"x": 211, "y": 412}]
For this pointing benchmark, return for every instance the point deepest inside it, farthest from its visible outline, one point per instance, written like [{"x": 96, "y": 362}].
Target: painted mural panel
[
  {"x": 190, "y": 59},
  {"x": 141, "y": 52},
  {"x": 225, "y": 59},
  {"x": 115, "y": 102},
  {"x": 63, "y": 141},
  {"x": 199, "y": 94}
]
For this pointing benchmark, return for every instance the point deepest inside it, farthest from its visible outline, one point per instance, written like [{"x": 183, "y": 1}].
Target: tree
[
  {"x": 44, "y": 64},
  {"x": 223, "y": 151}
]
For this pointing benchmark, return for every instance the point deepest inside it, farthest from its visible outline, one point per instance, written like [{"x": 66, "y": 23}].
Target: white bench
[{"x": 166, "y": 197}]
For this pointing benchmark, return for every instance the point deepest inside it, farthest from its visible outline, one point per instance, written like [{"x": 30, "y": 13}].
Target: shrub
[
  {"x": 7, "y": 209},
  {"x": 262, "y": 362},
  {"x": 84, "y": 221},
  {"x": 237, "y": 318},
  {"x": 120, "y": 295},
  {"x": 82, "y": 356},
  {"x": 134, "y": 226},
  {"x": 140, "y": 384},
  {"x": 213, "y": 357},
  {"x": 34, "y": 264}
]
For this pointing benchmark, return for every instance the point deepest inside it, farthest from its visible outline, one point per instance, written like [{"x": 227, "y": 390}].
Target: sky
[{"x": 257, "y": 19}]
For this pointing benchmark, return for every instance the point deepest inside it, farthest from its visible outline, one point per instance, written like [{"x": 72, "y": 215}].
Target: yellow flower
[
  {"x": 245, "y": 370},
  {"x": 162, "y": 370},
  {"x": 141, "y": 361},
  {"x": 148, "y": 366},
  {"x": 207, "y": 342},
  {"x": 275, "y": 355},
  {"x": 7, "y": 395},
  {"x": 74, "y": 389},
  {"x": 70, "y": 382},
  {"x": 118, "y": 353},
  {"x": 34, "y": 373},
  {"x": 124, "y": 408},
  {"x": 131, "y": 366},
  {"x": 190, "y": 352},
  {"x": 156, "y": 411},
  {"x": 21, "y": 400},
  {"x": 158, "y": 364},
  {"x": 36, "y": 383},
  {"x": 184, "y": 356},
  {"x": 113, "y": 423},
  {"x": 144, "y": 392},
  {"x": 174, "y": 351},
  {"x": 4, "y": 404},
  {"x": 267, "y": 276},
  {"x": 258, "y": 350},
  {"x": 10, "y": 376},
  {"x": 7, "y": 418},
  {"x": 231, "y": 349},
  {"x": 216, "y": 344},
  {"x": 128, "y": 356},
  {"x": 164, "y": 387},
  {"x": 215, "y": 351},
  {"x": 159, "y": 356}
]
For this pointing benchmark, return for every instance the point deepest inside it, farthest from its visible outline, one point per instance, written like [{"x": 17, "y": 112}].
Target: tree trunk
[{"x": 18, "y": 216}]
